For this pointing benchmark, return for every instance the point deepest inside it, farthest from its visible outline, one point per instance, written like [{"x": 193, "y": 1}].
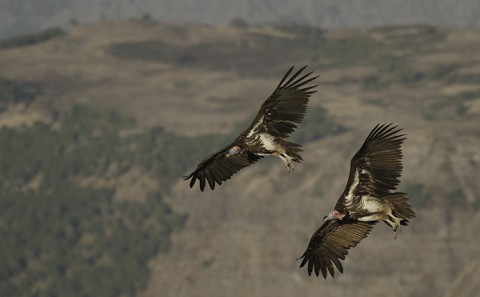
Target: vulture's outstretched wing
[
  {"x": 377, "y": 165},
  {"x": 218, "y": 168},
  {"x": 285, "y": 107},
  {"x": 330, "y": 244}
]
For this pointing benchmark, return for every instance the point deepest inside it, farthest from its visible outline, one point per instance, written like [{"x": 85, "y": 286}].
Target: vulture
[
  {"x": 266, "y": 135},
  {"x": 368, "y": 198}
]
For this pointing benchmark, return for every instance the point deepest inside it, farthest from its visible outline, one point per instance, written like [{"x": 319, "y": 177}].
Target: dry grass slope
[{"x": 243, "y": 238}]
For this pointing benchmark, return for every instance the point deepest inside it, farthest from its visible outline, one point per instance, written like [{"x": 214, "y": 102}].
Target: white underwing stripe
[
  {"x": 353, "y": 186},
  {"x": 255, "y": 127}
]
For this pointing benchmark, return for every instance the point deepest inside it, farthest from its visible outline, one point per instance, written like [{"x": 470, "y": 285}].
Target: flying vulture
[
  {"x": 266, "y": 134},
  {"x": 368, "y": 198}
]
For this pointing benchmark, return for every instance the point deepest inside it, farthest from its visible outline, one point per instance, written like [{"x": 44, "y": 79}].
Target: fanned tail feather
[
  {"x": 400, "y": 207},
  {"x": 292, "y": 149}
]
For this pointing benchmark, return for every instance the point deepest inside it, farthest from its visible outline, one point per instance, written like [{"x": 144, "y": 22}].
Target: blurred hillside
[
  {"x": 98, "y": 125},
  {"x": 27, "y": 16}
]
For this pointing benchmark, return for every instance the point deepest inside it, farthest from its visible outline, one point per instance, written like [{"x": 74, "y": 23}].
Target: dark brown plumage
[
  {"x": 330, "y": 244},
  {"x": 276, "y": 119},
  {"x": 218, "y": 168},
  {"x": 368, "y": 198},
  {"x": 379, "y": 162}
]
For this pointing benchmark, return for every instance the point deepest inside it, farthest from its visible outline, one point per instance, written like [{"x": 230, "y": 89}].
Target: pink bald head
[
  {"x": 235, "y": 150},
  {"x": 334, "y": 215}
]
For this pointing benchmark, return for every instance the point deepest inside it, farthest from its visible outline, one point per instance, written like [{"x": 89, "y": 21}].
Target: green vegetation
[
  {"x": 420, "y": 37},
  {"x": 444, "y": 71},
  {"x": 451, "y": 74},
  {"x": 449, "y": 107},
  {"x": 354, "y": 50},
  {"x": 251, "y": 55},
  {"x": 239, "y": 23},
  {"x": 67, "y": 228},
  {"x": 316, "y": 125},
  {"x": 78, "y": 241},
  {"x": 63, "y": 238},
  {"x": 16, "y": 92},
  {"x": 398, "y": 70},
  {"x": 419, "y": 196},
  {"x": 31, "y": 39},
  {"x": 390, "y": 49},
  {"x": 307, "y": 36}
]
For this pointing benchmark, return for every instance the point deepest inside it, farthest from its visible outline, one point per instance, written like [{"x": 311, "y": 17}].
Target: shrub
[{"x": 31, "y": 39}]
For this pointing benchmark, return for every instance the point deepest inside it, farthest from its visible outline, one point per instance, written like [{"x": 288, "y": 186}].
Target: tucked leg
[
  {"x": 393, "y": 222},
  {"x": 287, "y": 160}
]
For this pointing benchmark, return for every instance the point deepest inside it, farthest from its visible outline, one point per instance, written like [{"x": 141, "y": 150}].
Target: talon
[
  {"x": 287, "y": 160},
  {"x": 290, "y": 167},
  {"x": 396, "y": 230}
]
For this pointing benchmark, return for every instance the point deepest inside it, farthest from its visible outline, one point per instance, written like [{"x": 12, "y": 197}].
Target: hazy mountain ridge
[
  {"x": 19, "y": 17},
  {"x": 243, "y": 238}
]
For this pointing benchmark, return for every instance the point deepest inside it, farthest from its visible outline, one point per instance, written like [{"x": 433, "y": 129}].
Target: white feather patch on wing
[
  {"x": 268, "y": 141},
  {"x": 349, "y": 196},
  {"x": 255, "y": 127}
]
